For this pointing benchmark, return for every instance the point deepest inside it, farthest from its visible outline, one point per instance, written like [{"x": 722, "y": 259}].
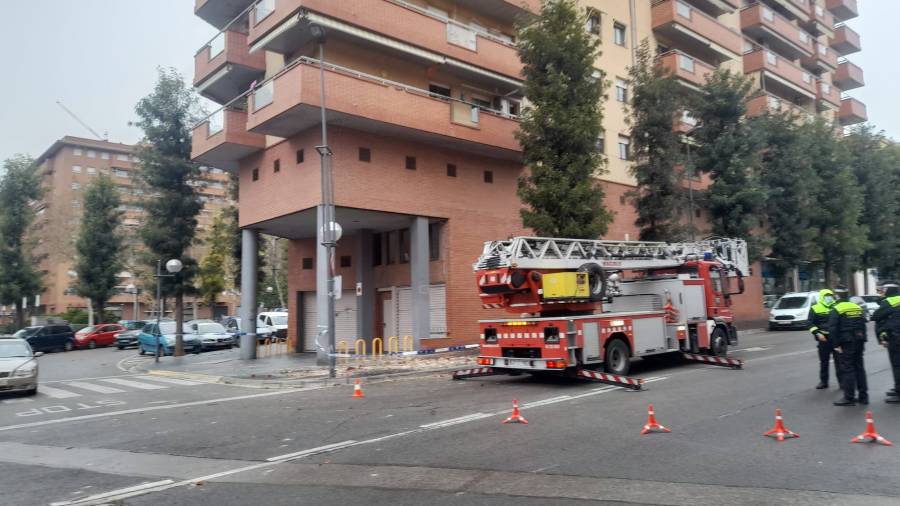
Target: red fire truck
[{"x": 586, "y": 306}]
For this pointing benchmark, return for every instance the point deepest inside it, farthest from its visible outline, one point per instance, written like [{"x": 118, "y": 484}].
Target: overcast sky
[{"x": 100, "y": 56}]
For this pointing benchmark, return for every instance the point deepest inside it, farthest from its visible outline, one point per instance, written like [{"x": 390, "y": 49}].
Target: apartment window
[
  {"x": 299, "y": 156},
  {"x": 488, "y": 176},
  {"x": 77, "y": 152},
  {"x": 120, "y": 173},
  {"x": 104, "y": 155},
  {"x": 686, "y": 63},
  {"x": 377, "y": 249},
  {"x": 807, "y": 78},
  {"x": 804, "y": 37},
  {"x": 91, "y": 171},
  {"x": 91, "y": 153},
  {"x": 622, "y": 200},
  {"x": 683, "y": 10},
  {"x": 621, "y": 90},
  {"x": 307, "y": 263},
  {"x": 365, "y": 155},
  {"x": 256, "y": 174},
  {"x": 619, "y": 34},
  {"x": 76, "y": 204},
  {"x": 391, "y": 247},
  {"x": 624, "y": 143},
  {"x": 823, "y": 50},
  {"x": 592, "y": 25},
  {"x": 345, "y": 261},
  {"x": 434, "y": 241},
  {"x": 76, "y": 169},
  {"x": 263, "y": 9},
  {"x": 404, "y": 245},
  {"x": 276, "y": 166},
  {"x": 771, "y": 58},
  {"x": 122, "y": 158},
  {"x": 697, "y": 213},
  {"x": 76, "y": 186},
  {"x": 411, "y": 163},
  {"x": 596, "y": 76},
  {"x": 439, "y": 90},
  {"x": 451, "y": 170},
  {"x": 768, "y": 15},
  {"x": 600, "y": 144}
]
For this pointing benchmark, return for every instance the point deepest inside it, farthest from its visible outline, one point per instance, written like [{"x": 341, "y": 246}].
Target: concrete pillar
[
  {"x": 418, "y": 270},
  {"x": 249, "y": 252},
  {"x": 365, "y": 301},
  {"x": 322, "y": 345}
]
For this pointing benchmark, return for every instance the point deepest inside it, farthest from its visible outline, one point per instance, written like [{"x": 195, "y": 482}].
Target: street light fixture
[{"x": 173, "y": 266}]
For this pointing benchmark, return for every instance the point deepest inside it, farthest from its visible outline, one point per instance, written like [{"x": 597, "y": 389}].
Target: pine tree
[
  {"x": 212, "y": 277},
  {"x": 656, "y": 99},
  {"x": 560, "y": 128},
  {"x": 99, "y": 244},
  {"x": 20, "y": 274},
  {"x": 166, "y": 116}
]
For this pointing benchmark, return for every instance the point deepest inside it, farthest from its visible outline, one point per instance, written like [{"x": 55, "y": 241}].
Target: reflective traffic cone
[
  {"x": 357, "y": 390},
  {"x": 870, "y": 436},
  {"x": 780, "y": 432},
  {"x": 515, "y": 417},
  {"x": 652, "y": 424}
]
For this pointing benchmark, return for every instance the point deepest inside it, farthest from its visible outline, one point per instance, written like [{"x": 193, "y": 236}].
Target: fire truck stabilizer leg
[
  {"x": 611, "y": 379},
  {"x": 732, "y": 363},
  {"x": 475, "y": 373}
]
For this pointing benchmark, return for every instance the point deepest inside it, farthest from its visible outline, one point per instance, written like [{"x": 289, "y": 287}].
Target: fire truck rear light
[
  {"x": 485, "y": 361},
  {"x": 556, "y": 364}
]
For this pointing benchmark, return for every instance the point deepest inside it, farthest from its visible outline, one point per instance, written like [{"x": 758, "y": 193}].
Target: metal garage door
[
  {"x": 437, "y": 295},
  {"x": 344, "y": 320}
]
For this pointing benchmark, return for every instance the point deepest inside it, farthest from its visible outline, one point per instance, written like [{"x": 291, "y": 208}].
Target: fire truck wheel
[
  {"x": 618, "y": 359},
  {"x": 718, "y": 343}
]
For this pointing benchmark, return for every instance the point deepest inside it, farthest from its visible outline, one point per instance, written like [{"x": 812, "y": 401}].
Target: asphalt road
[{"x": 430, "y": 440}]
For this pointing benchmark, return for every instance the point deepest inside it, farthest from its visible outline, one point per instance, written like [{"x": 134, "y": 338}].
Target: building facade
[
  {"x": 422, "y": 100},
  {"x": 68, "y": 167}
]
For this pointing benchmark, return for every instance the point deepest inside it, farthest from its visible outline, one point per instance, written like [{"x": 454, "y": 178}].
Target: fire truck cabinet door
[
  {"x": 649, "y": 335},
  {"x": 591, "y": 350}
]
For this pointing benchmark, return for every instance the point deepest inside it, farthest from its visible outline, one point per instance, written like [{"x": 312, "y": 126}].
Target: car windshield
[
  {"x": 10, "y": 349},
  {"x": 792, "y": 302},
  {"x": 87, "y": 329},
  {"x": 209, "y": 328},
  {"x": 279, "y": 320},
  {"x": 134, "y": 325},
  {"x": 27, "y": 331}
]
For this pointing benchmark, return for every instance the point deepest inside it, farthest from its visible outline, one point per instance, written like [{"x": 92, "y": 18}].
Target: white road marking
[
  {"x": 18, "y": 400},
  {"x": 56, "y": 393},
  {"x": 552, "y": 400},
  {"x": 94, "y": 388},
  {"x": 312, "y": 451},
  {"x": 173, "y": 381},
  {"x": 106, "y": 495},
  {"x": 755, "y": 348},
  {"x": 86, "y": 379},
  {"x": 455, "y": 421},
  {"x": 134, "y": 384}
]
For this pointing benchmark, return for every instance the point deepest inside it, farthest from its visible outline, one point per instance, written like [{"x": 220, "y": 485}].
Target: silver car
[
  {"x": 211, "y": 334},
  {"x": 18, "y": 367}
]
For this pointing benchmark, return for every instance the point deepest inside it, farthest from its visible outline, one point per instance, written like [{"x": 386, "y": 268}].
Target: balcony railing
[
  {"x": 762, "y": 22},
  {"x": 766, "y": 102},
  {"x": 224, "y": 67},
  {"x": 222, "y": 139},
  {"x": 680, "y": 21},
  {"x": 849, "y": 76},
  {"x": 798, "y": 9},
  {"x": 846, "y": 40},
  {"x": 686, "y": 68},
  {"x": 843, "y": 9},
  {"x": 288, "y": 103},
  {"x": 219, "y": 13},
  {"x": 852, "y": 112},
  {"x": 824, "y": 59},
  {"x": 787, "y": 73},
  {"x": 821, "y": 20},
  {"x": 828, "y": 93}
]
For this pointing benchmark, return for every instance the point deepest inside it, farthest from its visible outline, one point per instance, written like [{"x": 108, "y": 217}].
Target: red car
[{"x": 103, "y": 334}]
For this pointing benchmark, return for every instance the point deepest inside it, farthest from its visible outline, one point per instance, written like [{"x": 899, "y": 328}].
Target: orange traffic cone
[
  {"x": 357, "y": 390},
  {"x": 870, "y": 436},
  {"x": 779, "y": 431},
  {"x": 652, "y": 424},
  {"x": 515, "y": 417}
]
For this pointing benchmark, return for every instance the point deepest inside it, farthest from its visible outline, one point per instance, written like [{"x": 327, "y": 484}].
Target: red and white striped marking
[
  {"x": 612, "y": 379},
  {"x": 708, "y": 359},
  {"x": 471, "y": 373}
]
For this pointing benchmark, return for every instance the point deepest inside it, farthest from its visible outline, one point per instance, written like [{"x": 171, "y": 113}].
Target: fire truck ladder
[
  {"x": 582, "y": 374},
  {"x": 570, "y": 254}
]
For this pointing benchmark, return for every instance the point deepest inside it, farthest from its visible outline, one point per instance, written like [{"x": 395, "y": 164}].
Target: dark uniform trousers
[
  {"x": 894, "y": 356},
  {"x": 852, "y": 372},
  {"x": 826, "y": 353}
]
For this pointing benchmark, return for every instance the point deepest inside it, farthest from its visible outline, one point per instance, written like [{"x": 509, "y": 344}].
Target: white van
[
  {"x": 792, "y": 311},
  {"x": 277, "y": 320}
]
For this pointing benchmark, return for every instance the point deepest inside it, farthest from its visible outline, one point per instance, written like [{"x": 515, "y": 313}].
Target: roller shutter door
[
  {"x": 437, "y": 295},
  {"x": 344, "y": 320}
]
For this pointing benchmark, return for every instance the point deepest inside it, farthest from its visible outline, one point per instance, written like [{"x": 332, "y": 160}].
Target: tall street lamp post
[
  {"x": 134, "y": 291},
  {"x": 173, "y": 267}
]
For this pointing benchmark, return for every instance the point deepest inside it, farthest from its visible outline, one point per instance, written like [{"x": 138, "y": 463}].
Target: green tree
[
  {"x": 98, "y": 247},
  {"x": 656, "y": 100},
  {"x": 20, "y": 274},
  {"x": 729, "y": 152},
  {"x": 212, "y": 278},
  {"x": 273, "y": 273},
  {"x": 559, "y": 130},
  {"x": 166, "y": 116}
]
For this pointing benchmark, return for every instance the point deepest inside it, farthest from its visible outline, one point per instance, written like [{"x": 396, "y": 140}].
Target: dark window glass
[
  {"x": 299, "y": 156},
  {"x": 451, "y": 170},
  {"x": 277, "y": 165},
  {"x": 345, "y": 260},
  {"x": 365, "y": 155},
  {"x": 411, "y": 163},
  {"x": 256, "y": 174},
  {"x": 439, "y": 91},
  {"x": 434, "y": 241},
  {"x": 307, "y": 263},
  {"x": 377, "y": 249},
  {"x": 391, "y": 247},
  {"x": 488, "y": 176},
  {"x": 404, "y": 245}
]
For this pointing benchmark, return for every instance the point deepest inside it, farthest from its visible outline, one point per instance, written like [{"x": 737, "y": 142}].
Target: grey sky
[{"x": 100, "y": 56}]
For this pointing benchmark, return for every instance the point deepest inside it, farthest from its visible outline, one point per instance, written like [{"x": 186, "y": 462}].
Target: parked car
[
  {"x": 792, "y": 311},
  {"x": 48, "y": 337},
  {"x": 212, "y": 335},
  {"x": 234, "y": 326},
  {"x": 147, "y": 339},
  {"x": 868, "y": 302},
  {"x": 103, "y": 334},
  {"x": 18, "y": 367},
  {"x": 278, "y": 320},
  {"x": 129, "y": 335}
]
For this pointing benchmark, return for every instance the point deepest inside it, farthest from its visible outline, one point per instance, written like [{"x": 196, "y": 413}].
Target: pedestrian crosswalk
[{"x": 113, "y": 385}]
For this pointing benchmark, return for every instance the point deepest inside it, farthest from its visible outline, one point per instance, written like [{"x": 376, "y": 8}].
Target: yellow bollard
[
  {"x": 407, "y": 340},
  {"x": 360, "y": 344},
  {"x": 377, "y": 346},
  {"x": 393, "y": 345}
]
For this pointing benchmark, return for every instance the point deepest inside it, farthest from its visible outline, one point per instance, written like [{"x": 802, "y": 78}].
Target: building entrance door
[{"x": 384, "y": 315}]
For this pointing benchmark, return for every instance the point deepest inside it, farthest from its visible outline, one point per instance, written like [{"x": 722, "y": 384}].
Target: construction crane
[{"x": 82, "y": 123}]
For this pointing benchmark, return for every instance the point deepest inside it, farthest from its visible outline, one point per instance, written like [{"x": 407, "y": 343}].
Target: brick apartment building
[
  {"x": 422, "y": 99},
  {"x": 68, "y": 167}
]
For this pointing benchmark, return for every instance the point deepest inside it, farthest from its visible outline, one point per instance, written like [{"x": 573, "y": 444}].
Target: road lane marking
[
  {"x": 106, "y": 495},
  {"x": 173, "y": 381},
  {"x": 312, "y": 451},
  {"x": 56, "y": 393},
  {"x": 18, "y": 400},
  {"x": 134, "y": 384},
  {"x": 455, "y": 421},
  {"x": 91, "y": 378},
  {"x": 94, "y": 388}
]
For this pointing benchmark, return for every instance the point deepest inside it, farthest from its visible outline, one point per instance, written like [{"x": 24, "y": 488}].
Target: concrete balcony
[
  {"x": 283, "y": 26},
  {"x": 821, "y": 21},
  {"x": 827, "y": 95},
  {"x": 289, "y": 103},
  {"x": 852, "y": 112},
  {"x": 796, "y": 9},
  {"x": 681, "y": 25},
  {"x": 220, "y": 12},
  {"x": 849, "y": 76},
  {"x": 503, "y": 9},
  {"x": 717, "y": 7},
  {"x": 780, "y": 73},
  {"x": 689, "y": 71},
  {"x": 842, "y": 9},
  {"x": 825, "y": 59},
  {"x": 768, "y": 103},
  {"x": 765, "y": 25},
  {"x": 224, "y": 68},
  {"x": 846, "y": 40},
  {"x": 222, "y": 140}
]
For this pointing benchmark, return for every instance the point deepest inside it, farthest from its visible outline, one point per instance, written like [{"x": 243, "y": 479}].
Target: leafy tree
[
  {"x": 559, "y": 130},
  {"x": 213, "y": 273},
  {"x": 20, "y": 275},
  {"x": 234, "y": 232},
  {"x": 729, "y": 152},
  {"x": 99, "y": 244},
  {"x": 166, "y": 116},
  {"x": 274, "y": 273},
  {"x": 656, "y": 100}
]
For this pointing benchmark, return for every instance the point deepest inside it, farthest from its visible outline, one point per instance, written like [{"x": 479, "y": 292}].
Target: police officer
[
  {"x": 887, "y": 329},
  {"x": 818, "y": 319},
  {"x": 847, "y": 334}
]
